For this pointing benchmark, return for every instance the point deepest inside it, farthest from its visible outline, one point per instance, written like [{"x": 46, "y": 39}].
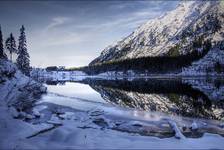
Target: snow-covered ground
[
  {"x": 17, "y": 94},
  {"x": 73, "y": 123},
  {"x": 61, "y": 120}
]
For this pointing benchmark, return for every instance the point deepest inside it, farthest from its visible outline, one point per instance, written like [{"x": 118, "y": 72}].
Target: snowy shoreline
[
  {"x": 57, "y": 121},
  {"x": 77, "y": 127},
  {"x": 73, "y": 75},
  {"x": 18, "y": 95}
]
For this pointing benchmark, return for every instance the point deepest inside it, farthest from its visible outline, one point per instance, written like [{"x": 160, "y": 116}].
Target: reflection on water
[
  {"x": 78, "y": 90},
  {"x": 201, "y": 98}
]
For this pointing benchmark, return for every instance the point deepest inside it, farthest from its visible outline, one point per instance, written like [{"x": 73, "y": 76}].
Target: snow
[
  {"x": 202, "y": 66},
  {"x": 157, "y": 36},
  {"x": 12, "y": 101},
  {"x": 13, "y": 112},
  {"x": 58, "y": 75},
  {"x": 36, "y": 113},
  {"x": 55, "y": 120},
  {"x": 77, "y": 131},
  {"x": 177, "y": 131},
  {"x": 194, "y": 126},
  {"x": 66, "y": 122}
]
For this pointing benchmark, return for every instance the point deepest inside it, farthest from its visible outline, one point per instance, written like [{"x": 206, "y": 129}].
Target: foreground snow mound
[
  {"x": 18, "y": 93},
  {"x": 17, "y": 89}
]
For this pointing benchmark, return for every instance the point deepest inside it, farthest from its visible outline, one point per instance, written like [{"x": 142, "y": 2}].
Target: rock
[
  {"x": 55, "y": 120},
  {"x": 36, "y": 113},
  {"x": 96, "y": 113},
  {"x": 43, "y": 89},
  {"x": 14, "y": 112},
  {"x": 100, "y": 122},
  {"x": 194, "y": 126},
  {"x": 59, "y": 111},
  {"x": 28, "y": 116},
  {"x": 67, "y": 115},
  {"x": 22, "y": 114},
  {"x": 221, "y": 125}
]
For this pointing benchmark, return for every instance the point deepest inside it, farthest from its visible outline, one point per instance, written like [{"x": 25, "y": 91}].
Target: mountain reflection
[
  {"x": 169, "y": 96},
  {"x": 200, "y": 98}
]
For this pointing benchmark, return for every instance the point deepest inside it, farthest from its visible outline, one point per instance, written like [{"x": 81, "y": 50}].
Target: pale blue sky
[{"x": 72, "y": 33}]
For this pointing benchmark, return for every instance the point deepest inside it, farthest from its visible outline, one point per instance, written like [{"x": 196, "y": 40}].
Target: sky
[{"x": 72, "y": 33}]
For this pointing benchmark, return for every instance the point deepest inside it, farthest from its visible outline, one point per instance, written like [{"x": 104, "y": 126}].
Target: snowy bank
[{"x": 18, "y": 94}]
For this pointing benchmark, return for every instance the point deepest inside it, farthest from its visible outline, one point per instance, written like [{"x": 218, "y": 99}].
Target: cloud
[
  {"x": 57, "y": 21},
  {"x": 65, "y": 39},
  {"x": 130, "y": 21},
  {"x": 76, "y": 33},
  {"x": 63, "y": 31}
]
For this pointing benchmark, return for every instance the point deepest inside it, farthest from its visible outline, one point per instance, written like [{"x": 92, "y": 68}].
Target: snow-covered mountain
[{"x": 175, "y": 33}]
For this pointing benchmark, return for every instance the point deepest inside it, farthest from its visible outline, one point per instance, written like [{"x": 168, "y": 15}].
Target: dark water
[{"x": 198, "y": 98}]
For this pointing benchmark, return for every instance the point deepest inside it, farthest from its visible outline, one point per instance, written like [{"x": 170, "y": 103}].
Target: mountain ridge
[{"x": 172, "y": 34}]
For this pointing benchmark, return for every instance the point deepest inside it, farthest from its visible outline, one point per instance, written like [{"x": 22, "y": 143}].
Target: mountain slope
[{"x": 178, "y": 32}]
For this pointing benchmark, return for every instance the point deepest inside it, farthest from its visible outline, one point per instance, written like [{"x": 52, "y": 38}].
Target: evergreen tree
[
  {"x": 10, "y": 45},
  {"x": 23, "y": 59},
  {"x": 2, "y": 54}
]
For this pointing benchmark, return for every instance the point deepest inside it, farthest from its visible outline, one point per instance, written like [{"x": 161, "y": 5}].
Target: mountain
[{"x": 187, "y": 29}]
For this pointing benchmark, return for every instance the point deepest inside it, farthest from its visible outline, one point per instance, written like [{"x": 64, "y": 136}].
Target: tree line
[
  {"x": 151, "y": 65},
  {"x": 23, "y": 58}
]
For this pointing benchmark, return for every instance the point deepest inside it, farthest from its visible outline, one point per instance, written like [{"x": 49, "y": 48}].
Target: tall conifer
[{"x": 23, "y": 59}]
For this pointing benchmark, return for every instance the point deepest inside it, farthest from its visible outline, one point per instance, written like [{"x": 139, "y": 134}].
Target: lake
[
  {"x": 137, "y": 112},
  {"x": 189, "y": 97}
]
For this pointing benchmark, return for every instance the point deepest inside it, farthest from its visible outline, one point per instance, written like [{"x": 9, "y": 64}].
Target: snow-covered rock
[
  {"x": 67, "y": 115},
  {"x": 17, "y": 90},
  {"x": 14, "y": 112},
  {"x": 54, "y": 120},
  {"x": 36, "y": 113},
  {"x": 194, "y": 126},
  {"x": 28, "y": 116}
]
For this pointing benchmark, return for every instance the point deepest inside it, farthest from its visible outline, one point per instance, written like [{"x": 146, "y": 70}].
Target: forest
[{"x": 152, "y": 65}]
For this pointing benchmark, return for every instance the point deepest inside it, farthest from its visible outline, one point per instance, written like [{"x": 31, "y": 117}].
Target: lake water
[
  {"x": 76, "y": 90},
  {"x": 196, "y": 98}
]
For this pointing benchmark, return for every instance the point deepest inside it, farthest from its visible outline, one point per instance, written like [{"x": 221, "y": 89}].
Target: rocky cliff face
[{"x": 178, "y": 32}]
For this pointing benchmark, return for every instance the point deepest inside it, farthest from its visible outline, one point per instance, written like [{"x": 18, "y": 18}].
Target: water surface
[{"x": 197, "y": 98}]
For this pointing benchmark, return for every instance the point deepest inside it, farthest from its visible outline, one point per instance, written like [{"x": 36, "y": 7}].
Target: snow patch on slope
[{"x": 156, "y": 37}]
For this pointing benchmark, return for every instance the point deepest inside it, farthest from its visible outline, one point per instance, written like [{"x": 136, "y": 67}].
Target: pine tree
[
  {"x": 2, "y": 54},
  {"x": 10, "y": 45},
  {"x": 23, "y": 59}
]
